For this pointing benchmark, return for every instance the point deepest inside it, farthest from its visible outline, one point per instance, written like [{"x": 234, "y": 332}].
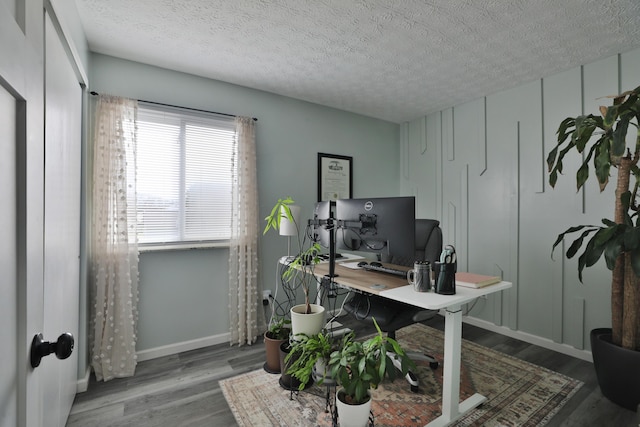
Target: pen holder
[{"x": 444, "y": 275}]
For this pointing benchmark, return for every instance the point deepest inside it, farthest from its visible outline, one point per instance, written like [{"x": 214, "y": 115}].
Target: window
[{"x": 184, "y": 175}]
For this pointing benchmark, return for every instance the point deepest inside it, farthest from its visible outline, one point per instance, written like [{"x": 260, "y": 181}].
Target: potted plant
[
  {"x": 617, "y": 239},
  {"x": 277, "y": 333},
  {"x": 359, "y": 367},
  {"x": 306, "y": 318},
  {"x": 309, "y": 357}
]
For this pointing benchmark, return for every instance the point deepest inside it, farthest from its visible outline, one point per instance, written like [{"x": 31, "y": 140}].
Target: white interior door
[
  {"x": 63, "y": 115},
  {"x": 21, "y": 208},
  {"x": 8, "y": 261}
]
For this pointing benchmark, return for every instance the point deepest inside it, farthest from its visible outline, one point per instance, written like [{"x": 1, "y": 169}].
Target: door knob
[{"x": 40, "y": 348}]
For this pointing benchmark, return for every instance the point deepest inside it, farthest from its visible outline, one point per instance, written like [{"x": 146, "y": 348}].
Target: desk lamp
[{"x": 290, "y": 228}]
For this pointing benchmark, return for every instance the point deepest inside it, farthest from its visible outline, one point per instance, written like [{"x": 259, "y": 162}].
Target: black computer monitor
[{"x": 383, "y": 225}]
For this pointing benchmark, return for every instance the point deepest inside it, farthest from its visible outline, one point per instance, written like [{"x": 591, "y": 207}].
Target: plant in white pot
[
  {"x": 602, "y": 140},
  {"x": 306, "y": 318},
  {"x": 358, "y": 367}
]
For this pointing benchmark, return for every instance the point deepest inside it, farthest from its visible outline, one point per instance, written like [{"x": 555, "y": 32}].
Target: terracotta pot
[
  {"x": 617, "y": 369},
  {"x": 272, "y": 350}
]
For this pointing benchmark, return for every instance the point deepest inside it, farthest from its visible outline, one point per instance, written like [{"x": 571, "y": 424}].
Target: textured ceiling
[{"x": 394, "y": 60}]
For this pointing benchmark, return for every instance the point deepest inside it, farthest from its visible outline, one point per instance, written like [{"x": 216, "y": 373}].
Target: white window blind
[{"x": 184, "y": 175}]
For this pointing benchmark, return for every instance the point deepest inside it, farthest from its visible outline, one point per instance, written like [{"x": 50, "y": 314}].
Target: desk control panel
[{"x": 378, "y": 286}]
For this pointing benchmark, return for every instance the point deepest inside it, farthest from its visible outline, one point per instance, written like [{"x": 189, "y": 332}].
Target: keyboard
[{"x": 387, "y": 270}]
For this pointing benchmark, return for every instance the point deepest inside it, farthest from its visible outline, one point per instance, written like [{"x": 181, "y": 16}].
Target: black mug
[{"x": 444, "y": 277}]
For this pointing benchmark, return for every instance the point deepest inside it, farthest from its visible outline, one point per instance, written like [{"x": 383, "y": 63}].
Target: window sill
[{"x": 157, "y": 247}]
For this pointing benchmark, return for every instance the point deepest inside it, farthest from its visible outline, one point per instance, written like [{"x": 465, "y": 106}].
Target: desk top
[
  {"x": 397, "y": 288},
  {"x": 366, "y": 281}
]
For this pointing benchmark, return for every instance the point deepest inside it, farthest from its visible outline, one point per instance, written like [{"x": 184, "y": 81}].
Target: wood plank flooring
[{"x": 183, "y": 389}]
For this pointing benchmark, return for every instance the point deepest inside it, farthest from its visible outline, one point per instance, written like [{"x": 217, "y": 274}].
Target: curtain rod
[{"x": 94, "y": 93}]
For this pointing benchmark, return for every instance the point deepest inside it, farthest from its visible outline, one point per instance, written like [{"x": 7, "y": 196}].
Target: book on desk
[{"x": 473, "y": 280}]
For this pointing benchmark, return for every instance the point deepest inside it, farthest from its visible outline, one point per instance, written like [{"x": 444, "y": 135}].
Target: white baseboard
[
  {"x": 522, "y": 336},
  {"x": 154, "y": 353},
  {"x": 83, "y": 383},
  {"x": 530, "y": 338}
]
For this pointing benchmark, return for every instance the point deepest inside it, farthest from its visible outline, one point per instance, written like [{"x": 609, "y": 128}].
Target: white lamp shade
[{"x": 287, "y": 227}]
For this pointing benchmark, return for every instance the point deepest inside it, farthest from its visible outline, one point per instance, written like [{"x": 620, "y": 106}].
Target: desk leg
[{"x": 452, "y": 408}]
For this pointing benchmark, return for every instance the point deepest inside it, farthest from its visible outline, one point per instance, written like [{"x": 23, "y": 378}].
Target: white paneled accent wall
[{"x": 480, "y": 168}]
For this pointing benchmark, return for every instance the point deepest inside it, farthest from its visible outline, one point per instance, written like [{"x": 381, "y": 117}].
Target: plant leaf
[
  {"x": 619, "y": 135},
  {"x": 635, "y": 261},
  {"x": 611, "y": 116},
  {"x": 602, "y": 162},
  {"x": 632, "y": 238},
  {"x": 612, "y": 251},
  {"x": 575, "y": 246},
  {"x": 567, "y": 231}
]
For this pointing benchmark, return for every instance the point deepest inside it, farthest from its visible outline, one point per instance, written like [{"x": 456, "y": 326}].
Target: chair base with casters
[{"x": 391, "y": 316}]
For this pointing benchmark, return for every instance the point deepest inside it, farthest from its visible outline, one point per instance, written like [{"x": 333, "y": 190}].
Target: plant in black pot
[
  {"x": 360, "y": 366},
  {"x": 309, "y": 357},
  {"x": 603, "y": 143},
  {"x": 277, "y": 333}
]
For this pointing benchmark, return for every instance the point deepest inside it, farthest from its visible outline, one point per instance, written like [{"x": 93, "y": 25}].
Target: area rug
[{"x": 518, "y": 393}]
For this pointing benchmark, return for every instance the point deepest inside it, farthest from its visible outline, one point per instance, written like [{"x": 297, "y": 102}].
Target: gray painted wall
[
  {"x": 480, "y": 169},
  {"x": 183, "y": 294}
]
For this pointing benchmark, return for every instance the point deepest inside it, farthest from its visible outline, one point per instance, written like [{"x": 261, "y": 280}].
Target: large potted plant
[
  {"x": 277, "y": 333},
  {"x": 360, "y": 366},
  {"x": 602, "y": 141},
  {"x": 306, "y": 318}
]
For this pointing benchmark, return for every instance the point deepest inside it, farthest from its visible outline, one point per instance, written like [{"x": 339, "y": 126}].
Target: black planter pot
[
  {"x": 288, "y": 381},
  {"x": 617, "y": 369}
]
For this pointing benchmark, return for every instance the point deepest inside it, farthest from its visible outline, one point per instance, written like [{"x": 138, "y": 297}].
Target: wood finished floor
[{"x": 183, "y": 389}]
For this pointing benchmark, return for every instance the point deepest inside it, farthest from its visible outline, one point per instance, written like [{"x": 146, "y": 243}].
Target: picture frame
[{"x": 335, "y": 177}]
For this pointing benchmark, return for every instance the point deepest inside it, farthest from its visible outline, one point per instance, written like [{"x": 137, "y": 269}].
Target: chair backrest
[
  {"x": 428, "y": 244},
  {"x": 428, "y": 240}
]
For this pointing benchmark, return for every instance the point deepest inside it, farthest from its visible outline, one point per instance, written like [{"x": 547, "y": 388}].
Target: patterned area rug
[{"x": 519, "y": 393}]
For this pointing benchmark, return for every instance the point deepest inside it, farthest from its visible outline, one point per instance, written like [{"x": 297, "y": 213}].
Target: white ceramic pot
[
  {"x": 353, "y": 415},
  {"x": 302, "y": 323}
]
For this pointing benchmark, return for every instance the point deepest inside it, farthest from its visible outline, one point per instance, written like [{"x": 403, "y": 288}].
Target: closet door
[
  {"x": 62, "y": 174},
  {"x": 21, "y": 208}
]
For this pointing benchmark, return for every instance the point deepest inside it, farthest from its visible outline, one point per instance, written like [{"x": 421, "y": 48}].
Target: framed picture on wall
[{"x": 335, "y": 174}]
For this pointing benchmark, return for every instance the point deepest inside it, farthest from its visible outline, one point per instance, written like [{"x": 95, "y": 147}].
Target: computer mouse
[
  {"x": 362, "y": 263},
  {"x": 376, "y": 264}
]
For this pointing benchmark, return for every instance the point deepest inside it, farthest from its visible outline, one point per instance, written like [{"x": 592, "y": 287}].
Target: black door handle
[{"x": 40, "y": 348}]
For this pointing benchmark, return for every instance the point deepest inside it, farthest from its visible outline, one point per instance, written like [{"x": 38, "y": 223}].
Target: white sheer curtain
[
  {"x": 114, "y": 248},
  {"x": 245, "y": 319}
]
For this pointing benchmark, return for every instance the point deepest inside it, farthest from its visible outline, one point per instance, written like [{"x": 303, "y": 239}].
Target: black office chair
[{"x": 393, "y": 315}]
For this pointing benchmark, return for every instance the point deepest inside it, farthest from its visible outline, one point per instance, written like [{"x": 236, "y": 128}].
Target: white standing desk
[{"x": 397, "y": 289}]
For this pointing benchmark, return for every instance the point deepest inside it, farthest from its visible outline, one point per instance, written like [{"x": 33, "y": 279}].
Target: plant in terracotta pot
[
  {"x": 306, "y": 318},
  {"x": 603, "y": 143},
  {"x": 358, "y": 367},
  {"x": 277, "y": 333}
]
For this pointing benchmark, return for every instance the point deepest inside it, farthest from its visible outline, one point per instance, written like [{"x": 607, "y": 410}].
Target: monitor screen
[{"x": 384, "y": 225}]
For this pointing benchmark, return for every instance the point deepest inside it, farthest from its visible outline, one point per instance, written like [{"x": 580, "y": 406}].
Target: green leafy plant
[
  {"x": 279, "y": 328},
  {"x": 306, "y": 350},
  {"x": 304, "y": 262},
  {"x": 617, "y": 239},
  {"x": 360, "y": 366}
]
